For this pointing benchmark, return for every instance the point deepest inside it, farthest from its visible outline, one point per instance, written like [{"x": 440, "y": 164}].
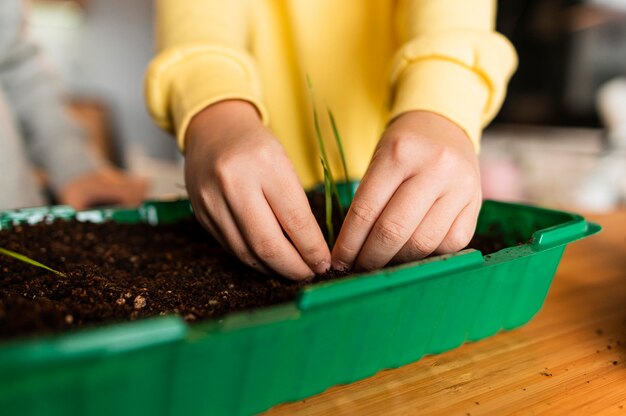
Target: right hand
[{"x": 245, "y": 192}]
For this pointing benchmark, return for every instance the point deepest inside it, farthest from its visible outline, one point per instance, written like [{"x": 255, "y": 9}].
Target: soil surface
[{"x": 120, "y": 272}]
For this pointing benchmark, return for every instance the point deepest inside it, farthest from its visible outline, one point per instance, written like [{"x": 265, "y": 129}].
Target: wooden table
[{"x": 570, "y": 359}]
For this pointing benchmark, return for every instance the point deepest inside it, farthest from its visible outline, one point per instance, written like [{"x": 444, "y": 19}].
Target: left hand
[
  {"x": 106, "y": 186},
  {"x": 421, "y": 194}
]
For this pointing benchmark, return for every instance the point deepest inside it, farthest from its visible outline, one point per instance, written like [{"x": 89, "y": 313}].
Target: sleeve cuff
[
  {"x": 181, "y": 82},
  {"x": 459, "y": 74},
  {"x": 444, "y": 88}
]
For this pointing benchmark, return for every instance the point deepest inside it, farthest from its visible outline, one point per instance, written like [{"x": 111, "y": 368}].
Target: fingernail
[
  {"x": 340, "y": 266},
  {"x": 322, "y": 267}
]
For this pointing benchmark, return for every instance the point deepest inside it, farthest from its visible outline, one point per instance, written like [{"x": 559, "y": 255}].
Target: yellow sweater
[{"x": 368, "y": 61}]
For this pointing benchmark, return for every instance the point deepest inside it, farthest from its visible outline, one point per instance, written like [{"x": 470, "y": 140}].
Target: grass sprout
[
  {"x": 330, "y": 185},
  {"x": 344, "y": 164},
  {"x": 328, "y": 198},
  {"x": 324, "y": 157},
  {"x": 30, "y": 261}
]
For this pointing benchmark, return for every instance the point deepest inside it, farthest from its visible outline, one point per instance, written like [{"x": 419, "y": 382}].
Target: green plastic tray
[{"x": 335, "y": 332}]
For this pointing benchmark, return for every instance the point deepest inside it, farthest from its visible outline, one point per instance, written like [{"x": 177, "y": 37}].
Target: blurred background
[
  {"x": 560, "y": 139},
  {"x": 100, "y": 50}
]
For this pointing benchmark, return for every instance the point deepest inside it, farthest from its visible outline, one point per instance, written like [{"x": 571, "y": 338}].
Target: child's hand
[
  {"x": 421, "y": 194},
  {"x": 245, "y": 192},
  {"x": 107, "y": 186}
]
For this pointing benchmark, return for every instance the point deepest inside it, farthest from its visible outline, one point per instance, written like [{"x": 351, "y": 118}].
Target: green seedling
[
  {"x": 328, "y": 199},
  {"x": 324, "y": 157},
  {"x": 330, "y": 185},
  {"x": 30, "y": 261},
  {"x": 349, "y": 192}
]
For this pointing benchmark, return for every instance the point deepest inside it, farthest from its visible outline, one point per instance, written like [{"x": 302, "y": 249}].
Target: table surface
[{"x": 570, "y": 359}]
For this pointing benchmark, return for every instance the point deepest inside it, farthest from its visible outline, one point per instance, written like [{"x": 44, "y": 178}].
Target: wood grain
[{"x": 570, "y": 359}]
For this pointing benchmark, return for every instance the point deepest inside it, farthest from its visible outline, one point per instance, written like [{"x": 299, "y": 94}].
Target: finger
[
  {"x": 431, "y": 231},
  {"x": 127, "y": 197},
  {"x": 264, "y": 236},
  {"x": 208, "y": 224},
  {"x": 128, "y": 193},
  {"x": 376, "y": 189},
  {"x": 136, "y": 191},
  {"x": 111, "y": 175},
  {"x": 397, "y": 223},
  {"x": 461, "y": 231},
  {"x": 76, "y": 201},
  {"x": 291, "y": 207},
  {"x": 222, "y": 220}
]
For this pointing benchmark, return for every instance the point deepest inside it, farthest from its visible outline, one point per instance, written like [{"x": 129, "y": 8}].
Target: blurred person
[
  {"x": 37, "y": 131},
  {"x": 412, "y": 84}
]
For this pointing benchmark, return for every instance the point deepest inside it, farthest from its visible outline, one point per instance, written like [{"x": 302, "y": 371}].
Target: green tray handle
[
  {"x": 565, "y": 233},
  {"x": 334, "y": 291}
]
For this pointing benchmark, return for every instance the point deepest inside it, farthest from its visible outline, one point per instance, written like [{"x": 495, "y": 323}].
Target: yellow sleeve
[
  {"x": 451, "y": 62},
  {"x": 202, "y": 59}
]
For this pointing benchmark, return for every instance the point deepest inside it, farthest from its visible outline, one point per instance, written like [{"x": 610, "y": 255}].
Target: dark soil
[
  {"x": 491, "y": 241},
  {"x": 120, "y": 272}
]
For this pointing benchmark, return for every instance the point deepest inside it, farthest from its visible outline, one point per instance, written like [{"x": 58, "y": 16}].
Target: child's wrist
[
  {"x": 220, "y": 117},
  {"x": 430, "y": 123},
  {"x": 222, "y": 114}
]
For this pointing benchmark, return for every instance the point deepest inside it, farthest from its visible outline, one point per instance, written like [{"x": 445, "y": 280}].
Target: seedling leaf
[
  {"x": 349, "y": 193},
  {"x": 330, "y": 186},
  {"x": 28, "y": 260},
  {"x": 320, "y": 142},
  {"x": 328, "y": 197}
]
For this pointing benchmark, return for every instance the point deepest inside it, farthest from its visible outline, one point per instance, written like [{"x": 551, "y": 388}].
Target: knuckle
[
  {"x": 447, "y": 159},
  {"x": 444, "y": 158},
  {"x": 268, "y": 152},
  {"x": 401, "y": 147},
  {"x": 363, "y": 210},
  {"x": 224, "y": 167},
  {"x": 390, "y": 232},
  {"x": 422, "y": 245},
  {"x": 296, "y": 221},
  {"x": 456, "y": 240},
  {"x": 259, "y": 152},
  {"x": 267, "y": 249},
  {"x": 344, "y": 253}
]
